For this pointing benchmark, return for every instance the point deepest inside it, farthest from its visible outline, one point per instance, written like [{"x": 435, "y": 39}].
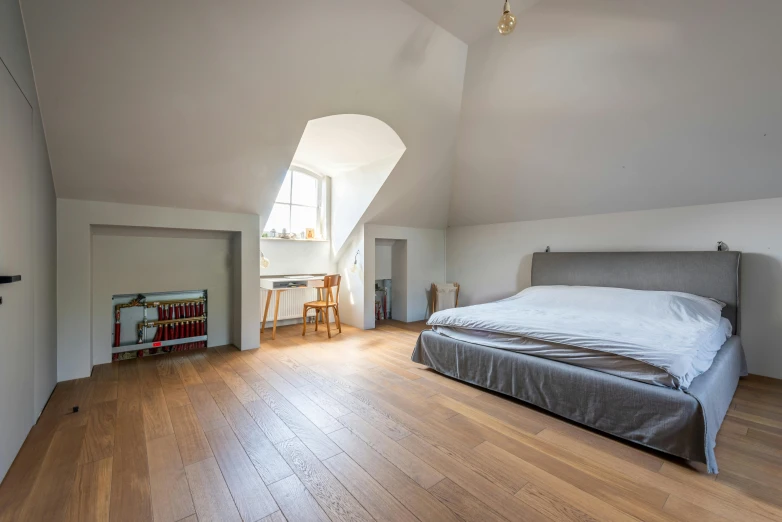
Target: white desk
[{"x": 278, "y": 285}]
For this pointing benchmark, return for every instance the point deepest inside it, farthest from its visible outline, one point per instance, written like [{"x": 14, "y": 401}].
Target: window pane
[
  {"x": 303, "y": 218},
  {"x": 278, "y": 219},
  {"x": 305, "y": 189},
  {"x": 285, "y": 191}
]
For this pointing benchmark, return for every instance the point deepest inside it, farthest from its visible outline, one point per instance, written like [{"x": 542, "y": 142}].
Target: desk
[{"x": 277, "y": 285}]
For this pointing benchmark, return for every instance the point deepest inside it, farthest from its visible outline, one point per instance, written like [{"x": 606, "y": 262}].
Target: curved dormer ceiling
[
  {"x": 343, "y": 143},
  {"x": 358, "y": 153},
  {"x": 201, "y": 104}
]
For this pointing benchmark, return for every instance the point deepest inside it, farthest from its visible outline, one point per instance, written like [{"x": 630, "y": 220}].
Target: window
[{"x": 299, "y": 206}]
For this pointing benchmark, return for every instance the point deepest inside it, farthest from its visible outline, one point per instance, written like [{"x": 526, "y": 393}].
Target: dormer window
[{"x": 300, "y": 205}]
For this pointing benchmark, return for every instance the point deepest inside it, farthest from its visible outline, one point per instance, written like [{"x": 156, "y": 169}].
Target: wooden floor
[{"x": 350, "y": 429}]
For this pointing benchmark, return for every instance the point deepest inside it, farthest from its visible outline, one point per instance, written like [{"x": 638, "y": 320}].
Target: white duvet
[{"x": 676, "y": 332}]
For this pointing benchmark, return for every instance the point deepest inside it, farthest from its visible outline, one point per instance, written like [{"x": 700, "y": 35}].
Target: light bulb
[
  {"x": 264, "y": 261},
  {"x": 507, "y": 22}
]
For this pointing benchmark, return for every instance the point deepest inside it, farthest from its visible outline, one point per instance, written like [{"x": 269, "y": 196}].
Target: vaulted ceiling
[
  {"x": 201, "y": 104},
  {"x": 591, "y": 106}
]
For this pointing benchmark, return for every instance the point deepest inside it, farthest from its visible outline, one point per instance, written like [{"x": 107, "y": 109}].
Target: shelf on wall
[{"x": 9, "y": 279}]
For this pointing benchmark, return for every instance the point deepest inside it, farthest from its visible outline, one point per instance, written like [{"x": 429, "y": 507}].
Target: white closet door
[{"x": 16, "y": 312}]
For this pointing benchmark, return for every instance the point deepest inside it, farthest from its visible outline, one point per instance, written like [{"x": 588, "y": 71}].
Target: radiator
[{"x": 291, "y": 303}]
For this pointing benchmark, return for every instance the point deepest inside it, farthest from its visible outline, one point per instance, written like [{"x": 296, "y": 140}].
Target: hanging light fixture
[
  {"x": 264, "y": 261},
  {"x": 354, "y": 268},
  {"x": 507, "y": 22}
]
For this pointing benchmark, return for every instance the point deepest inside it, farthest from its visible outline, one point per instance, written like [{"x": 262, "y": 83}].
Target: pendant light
[
  {"x": 507, "y": 22},
  {"x": 264, "y": 261}
]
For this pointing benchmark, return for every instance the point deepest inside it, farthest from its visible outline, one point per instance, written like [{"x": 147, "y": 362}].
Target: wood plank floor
[{"x": 308, "y": 428}]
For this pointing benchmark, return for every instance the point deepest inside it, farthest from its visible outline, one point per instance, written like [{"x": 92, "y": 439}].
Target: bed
[{"x": 640, "y": 407}]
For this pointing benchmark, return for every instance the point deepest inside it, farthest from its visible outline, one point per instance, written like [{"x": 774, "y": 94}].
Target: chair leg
[
  {"x": 328, "y": 322},
  {"x": 317, "y": 318},
  {"x": 336, "y": 317},
  {"x": 304, "y": 322}
]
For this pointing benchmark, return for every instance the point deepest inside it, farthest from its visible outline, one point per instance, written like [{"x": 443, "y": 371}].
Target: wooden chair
[{"x": 327, "y": 300}]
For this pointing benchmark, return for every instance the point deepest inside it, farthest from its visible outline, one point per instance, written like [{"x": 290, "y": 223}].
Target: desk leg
[
  {"x": 266, "y": 308},
  {"x": 276, "y": 310}
]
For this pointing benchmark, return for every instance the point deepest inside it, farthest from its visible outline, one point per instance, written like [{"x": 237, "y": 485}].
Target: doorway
[{"x": 390, "y": 280}]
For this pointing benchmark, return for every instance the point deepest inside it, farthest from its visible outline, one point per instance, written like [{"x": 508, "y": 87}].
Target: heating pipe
[
  {"x": 175, "y": 328},
  {"x": 167, "y": 310},
  {"x": 117, "y": 327},
  {"x": 159, "y": 332}
]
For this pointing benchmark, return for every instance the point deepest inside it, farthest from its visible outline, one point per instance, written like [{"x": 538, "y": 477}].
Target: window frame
[{"x": 321, "y": 227}]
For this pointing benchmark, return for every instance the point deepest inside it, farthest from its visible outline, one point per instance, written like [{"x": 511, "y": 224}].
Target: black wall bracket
[{"x": 9, "y": 279}]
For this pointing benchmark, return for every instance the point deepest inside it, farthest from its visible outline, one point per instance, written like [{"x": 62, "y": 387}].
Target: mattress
[{"x": 583, "y": 357}]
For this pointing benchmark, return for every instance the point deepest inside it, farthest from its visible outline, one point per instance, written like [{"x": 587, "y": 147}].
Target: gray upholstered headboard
[{"x": 708, "y": 274}]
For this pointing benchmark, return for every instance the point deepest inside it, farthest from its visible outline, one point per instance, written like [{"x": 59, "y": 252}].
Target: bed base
[{"x": 683, "y": 424}]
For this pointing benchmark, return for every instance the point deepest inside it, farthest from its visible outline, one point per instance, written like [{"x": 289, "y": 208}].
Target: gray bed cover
[{"x": 684, "y": 424}]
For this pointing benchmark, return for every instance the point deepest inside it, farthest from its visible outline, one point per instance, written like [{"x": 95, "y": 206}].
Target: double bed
[{"x": 675, "y": 411}]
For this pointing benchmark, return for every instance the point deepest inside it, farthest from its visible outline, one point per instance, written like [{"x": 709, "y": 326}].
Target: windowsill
[{"x": 295, "y": 240}]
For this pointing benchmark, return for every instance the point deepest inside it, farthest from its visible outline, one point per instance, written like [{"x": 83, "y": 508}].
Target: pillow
[{"x": 651, "y": 304}]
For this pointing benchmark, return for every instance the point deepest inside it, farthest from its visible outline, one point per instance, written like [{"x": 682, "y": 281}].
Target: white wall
[
  {"x": 351, "y": 292},
  {"x": 610, "y": 106},
  {"x": 493, "y": 261},
  {"x": 74, "y": 221},
  {"x": 425, "y": 249},
  {"x": 288, "y": 257},
  {"x": 44, "y": 239},
  {"x": 383, "y": 260},
  {"x": 27, "y": 244},
  {"x": 353, "y": 192},
  {"x": 129, "y": 261},
  {"x": 399, "y": 283},
  {"x": 296, "y": 257}
]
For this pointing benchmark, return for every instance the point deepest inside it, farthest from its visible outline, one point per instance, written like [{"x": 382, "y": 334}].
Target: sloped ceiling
[
  {"x": 468, "y": 20},
  {"x": 591, "y": 106},
  {"x": 598, "y": 106},
  {"x": 201, "y": 104}
]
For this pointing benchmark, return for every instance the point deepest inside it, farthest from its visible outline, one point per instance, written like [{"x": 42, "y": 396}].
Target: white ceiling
[
  {"x": 201, "y": 104},
  {"x": 336, "y": 145},
  {"x": 590, "y": 106},
  {"x": 468, "y": 20},
  {"x": 598, "y": 106}
]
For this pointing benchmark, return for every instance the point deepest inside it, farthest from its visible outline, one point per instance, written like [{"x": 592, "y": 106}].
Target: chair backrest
[{"x": 330, "y": 282}]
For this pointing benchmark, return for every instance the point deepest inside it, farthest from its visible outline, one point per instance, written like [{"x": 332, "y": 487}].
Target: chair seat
[{"x": 319, "y": 304}]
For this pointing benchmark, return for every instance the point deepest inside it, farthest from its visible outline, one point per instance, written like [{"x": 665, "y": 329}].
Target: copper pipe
[
  {"x": 150, "y": 324},
  {"x": 178, "y": 301}
]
